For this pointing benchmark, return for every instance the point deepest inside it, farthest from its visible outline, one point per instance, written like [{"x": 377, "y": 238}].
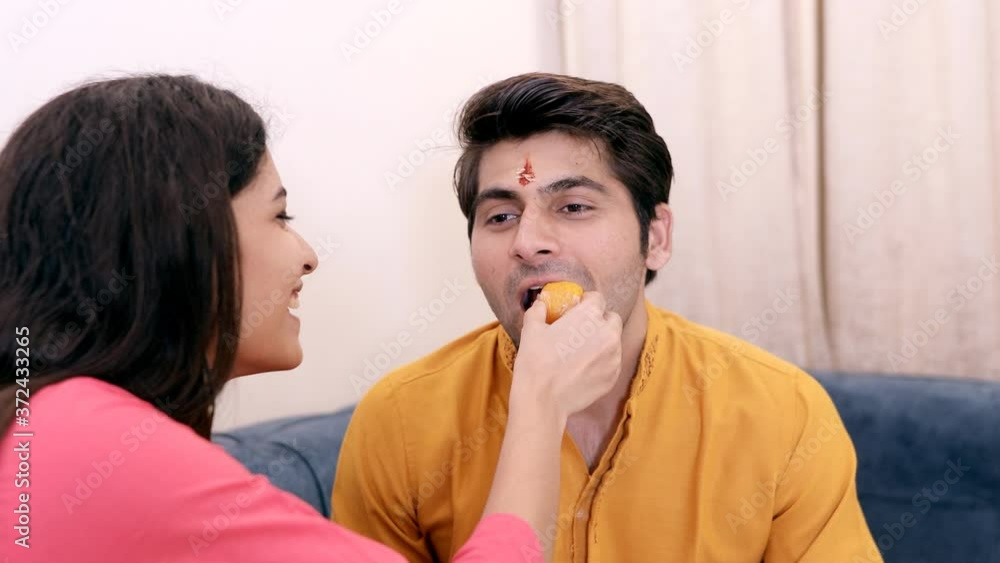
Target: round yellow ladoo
[{"x": 559, "y": 297}]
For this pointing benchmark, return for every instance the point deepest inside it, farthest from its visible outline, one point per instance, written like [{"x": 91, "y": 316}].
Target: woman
[{"x": 142, "y": 225}]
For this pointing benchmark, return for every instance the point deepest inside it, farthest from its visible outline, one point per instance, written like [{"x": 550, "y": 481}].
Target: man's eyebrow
[
  {"x": 563, "y": 184},
  {"x": 281, "y": 193},
  {"x": 494, "y": 194}
]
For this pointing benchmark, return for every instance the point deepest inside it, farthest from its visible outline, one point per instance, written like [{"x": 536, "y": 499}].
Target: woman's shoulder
[
  {"x": 108, "y": 473},
  {"x": 85, "y": 384},
  {"x": 84, "y": 395},
  {"x": 86, "y": 434},
  {"x": 84, "y": 413},
  {"x": 94, "y": 456}
]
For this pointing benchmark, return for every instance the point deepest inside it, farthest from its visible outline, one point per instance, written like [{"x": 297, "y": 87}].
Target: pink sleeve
[
  {"x": 501, "y": 538},
  {"x": 115, "y": 481}
]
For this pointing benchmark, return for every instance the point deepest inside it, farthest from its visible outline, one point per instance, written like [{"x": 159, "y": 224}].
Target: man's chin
[{"x": 513, "y": 330}]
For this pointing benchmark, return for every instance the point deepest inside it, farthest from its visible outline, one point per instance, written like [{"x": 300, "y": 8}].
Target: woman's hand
[
  {"x": 566, "y": 366},
  {"x": 560, "y": 369}
]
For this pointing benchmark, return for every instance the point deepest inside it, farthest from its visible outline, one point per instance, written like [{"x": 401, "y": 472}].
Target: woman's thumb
[{"x": 535, "y": 315}]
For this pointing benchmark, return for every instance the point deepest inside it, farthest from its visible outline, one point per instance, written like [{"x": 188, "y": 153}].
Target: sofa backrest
[
  {"x": 298, "y": 454},
  {"x": 928, "y": 463}
]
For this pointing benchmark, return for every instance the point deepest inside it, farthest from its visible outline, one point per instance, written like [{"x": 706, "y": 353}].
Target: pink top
[{"x": 112, "y": 479}]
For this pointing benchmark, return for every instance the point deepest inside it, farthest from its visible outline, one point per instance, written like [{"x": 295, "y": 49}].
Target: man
[{"x": 708, "y": 449}]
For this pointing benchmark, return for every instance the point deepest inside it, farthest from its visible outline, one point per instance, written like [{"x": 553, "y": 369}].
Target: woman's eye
[{"x": 285, "y": 217}]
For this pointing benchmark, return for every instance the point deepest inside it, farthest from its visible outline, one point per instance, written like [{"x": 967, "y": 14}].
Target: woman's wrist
[{"x": 529, "y": 409}]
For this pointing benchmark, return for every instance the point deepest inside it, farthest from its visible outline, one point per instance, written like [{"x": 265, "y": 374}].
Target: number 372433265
[{"x": 22, "y": 371}]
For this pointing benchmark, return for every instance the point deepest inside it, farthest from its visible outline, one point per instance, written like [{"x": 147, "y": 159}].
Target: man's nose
[{"x": 535, "y": 238}]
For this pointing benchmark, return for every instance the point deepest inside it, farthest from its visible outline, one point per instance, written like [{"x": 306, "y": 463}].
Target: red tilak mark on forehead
[{"x": 525, "y": 175}]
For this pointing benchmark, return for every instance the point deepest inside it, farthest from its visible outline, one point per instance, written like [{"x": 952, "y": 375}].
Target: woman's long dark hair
[{"x": 118, "y": 246}]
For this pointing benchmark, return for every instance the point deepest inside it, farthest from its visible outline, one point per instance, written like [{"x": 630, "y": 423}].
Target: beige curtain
[{"x": 836, "y": 199}]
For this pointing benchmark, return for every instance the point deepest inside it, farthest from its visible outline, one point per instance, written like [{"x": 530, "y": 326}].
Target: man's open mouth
[{"x": 529, "y": 297}]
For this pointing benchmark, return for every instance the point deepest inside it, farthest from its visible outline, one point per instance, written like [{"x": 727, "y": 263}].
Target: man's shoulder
[
  {"x": 424, "y": 408},
  {"x": 719, "y": 368},
  {"x": 465, "y": 361},
  {"x": 725, "y": 361},
  {"x": 710, "y": 340}
]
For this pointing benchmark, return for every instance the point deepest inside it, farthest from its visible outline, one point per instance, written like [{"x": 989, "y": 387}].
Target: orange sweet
[{"x": 559, "y": 297}]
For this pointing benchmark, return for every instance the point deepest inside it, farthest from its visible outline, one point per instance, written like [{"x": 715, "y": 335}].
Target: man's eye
[
  {"x": 577, "y": 208},
  {"x": 500, "y": 218}
]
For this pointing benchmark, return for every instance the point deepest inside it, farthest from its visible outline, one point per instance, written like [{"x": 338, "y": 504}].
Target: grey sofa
[{"x": 928, "y": 461}]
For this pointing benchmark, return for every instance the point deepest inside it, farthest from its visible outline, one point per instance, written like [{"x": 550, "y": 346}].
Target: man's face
[{"x": 549, "y": 210}]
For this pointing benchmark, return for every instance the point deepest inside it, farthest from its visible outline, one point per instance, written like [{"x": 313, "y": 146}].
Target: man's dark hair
[{"x": 607, "y": 114}]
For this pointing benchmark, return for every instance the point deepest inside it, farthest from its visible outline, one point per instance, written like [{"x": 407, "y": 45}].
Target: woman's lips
[{"x": 293, "y": 303}]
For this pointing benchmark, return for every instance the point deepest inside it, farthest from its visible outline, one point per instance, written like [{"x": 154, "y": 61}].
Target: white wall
[{"x": 342, "y": 120}]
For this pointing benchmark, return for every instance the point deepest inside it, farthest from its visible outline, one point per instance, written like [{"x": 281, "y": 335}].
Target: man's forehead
[{"x": 546, "y": 155}]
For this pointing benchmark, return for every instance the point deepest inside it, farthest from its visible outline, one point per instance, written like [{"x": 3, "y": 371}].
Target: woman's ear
[{"x": 661, "y": 229}]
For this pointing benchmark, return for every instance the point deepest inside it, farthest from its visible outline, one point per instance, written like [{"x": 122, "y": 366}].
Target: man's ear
[{"x": 661, "y": 229}]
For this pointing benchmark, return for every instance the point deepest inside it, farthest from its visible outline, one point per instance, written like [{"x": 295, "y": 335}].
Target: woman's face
[{"x": 273, "y": 260}]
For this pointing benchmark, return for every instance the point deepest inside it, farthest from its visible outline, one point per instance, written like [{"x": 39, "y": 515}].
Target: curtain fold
[{"x": 837, "y": 174}]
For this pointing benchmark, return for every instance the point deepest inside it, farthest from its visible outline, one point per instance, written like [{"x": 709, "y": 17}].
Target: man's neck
[{"x": 593, "y": 427}]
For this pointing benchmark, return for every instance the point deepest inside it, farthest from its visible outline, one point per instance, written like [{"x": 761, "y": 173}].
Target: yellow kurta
[{"x": 724, "y": 454}]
